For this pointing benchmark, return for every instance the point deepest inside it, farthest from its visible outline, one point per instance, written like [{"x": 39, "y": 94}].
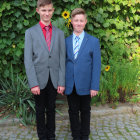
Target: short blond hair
[
  {"x": 78, "y": 11},
  {"x": 41, "y": 3}
]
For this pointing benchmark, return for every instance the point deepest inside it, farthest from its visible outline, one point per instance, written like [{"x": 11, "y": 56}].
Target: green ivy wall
[{"x": 115, "y": 22}]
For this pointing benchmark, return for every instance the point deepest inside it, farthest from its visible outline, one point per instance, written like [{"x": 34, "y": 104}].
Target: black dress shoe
[
  {"x": 76, "y": 139},
  {"x": 51, "y": 139},
  {"x": 84, "y": 138}
]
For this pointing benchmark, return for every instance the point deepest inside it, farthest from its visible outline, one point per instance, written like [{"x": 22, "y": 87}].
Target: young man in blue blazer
[{"x": 83, "y": 66}]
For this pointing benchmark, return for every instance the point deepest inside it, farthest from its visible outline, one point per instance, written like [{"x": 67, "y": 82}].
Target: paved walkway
[{"x": 122, "y": 123}]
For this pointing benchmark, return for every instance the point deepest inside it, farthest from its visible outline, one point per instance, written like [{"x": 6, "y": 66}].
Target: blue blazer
[{"x": 85, "y": 70}]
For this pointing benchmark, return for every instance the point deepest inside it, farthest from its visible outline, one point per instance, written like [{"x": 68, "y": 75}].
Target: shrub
[{"x": 16, "y": 98}]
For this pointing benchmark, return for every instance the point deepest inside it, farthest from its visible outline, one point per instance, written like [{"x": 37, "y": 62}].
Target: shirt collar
[
  {"x": 80, "y": 36},
  {"x": 43, "y": 26}
]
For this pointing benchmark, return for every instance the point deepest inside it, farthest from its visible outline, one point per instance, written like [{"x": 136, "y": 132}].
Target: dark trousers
[
  {"x": 45, "y": 112},
  {"x": 79, "y": 114}
]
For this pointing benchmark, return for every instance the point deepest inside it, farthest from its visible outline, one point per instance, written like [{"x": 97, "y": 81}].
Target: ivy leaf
[
  {"x": 119, "y": 26},
  {"x": 86, "y": 1},
  {"x": 26, "y": 22},
  {"x": 106, "y": 24},
  {"x": 7, "y": 51},
  {"x": 80, "y": 1},
  {"x": 96, "y": 24},
  {"x": 19, "y": 26},
  {"x": 111, "y": 9},
  {"x": 110, "y": 1},
  {"x": 8, "y": 24},
  {"x": 9, "y": 13},
  {"x": 32, "y": 3},
  {"x": 18, "y": 53},
  {"x": 65, "y": 0},
  {"x": 8, "y": 6},
  {"x": 58, "y": 11},
  {"x": 124, "y": 2},
  {"x": 4, "y": 62},
  {"x": 8, "y": 42},
  {"x": 99, "y": 18},
  {"x": 117, "y": 7},
  {"x": 17, "y": 3},
  {"x": 13, "y": 18},
  {"x": 2, "y": 45},
  {"x": 12, "y": 35},
  {"x": 101, "y": 11},
  {"x": 0, "y": 42},
  {"x": 105, "y": 15},
  {"x": 59, "y": 22},
  {"x": 30, "y": 14},
  {"x": 72, "y": 7},
  {"x": 112, "y": 38},
  {"x": 17, "y": 14},
  {"x": 130, "y": 33},
  {"x": 21, "y": 44},
  {"x": 90, "y": 27},
  {"x": 136, "y": 17},
  {"x": 102, "y": 33},
  {"x": 133, "y": 10},
  {"x": 137, "y": 29},
  {"x": 26, "y": 8},
  {"x": 4, "y": 34}
]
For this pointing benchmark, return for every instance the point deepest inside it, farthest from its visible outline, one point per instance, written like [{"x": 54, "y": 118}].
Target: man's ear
[
  {"x": 53, "y": 9},
  {"x": 71, "y": 20},
  {"x": 86, "y": 21},
  {"x": 37, "y": 10}
]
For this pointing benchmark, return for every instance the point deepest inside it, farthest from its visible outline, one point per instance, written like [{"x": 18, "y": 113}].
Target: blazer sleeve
[
  {"x": 62, "y": 55},
  {"x": 96, "y": 70},
  {"x": 28, "y": 60}
]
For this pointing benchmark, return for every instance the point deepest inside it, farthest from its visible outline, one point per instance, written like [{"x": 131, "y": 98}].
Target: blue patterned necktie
[{"x": 76, "y": 47}]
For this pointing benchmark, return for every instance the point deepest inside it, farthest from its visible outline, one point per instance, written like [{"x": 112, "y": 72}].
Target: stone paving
[{"x": 114, "y": 125}]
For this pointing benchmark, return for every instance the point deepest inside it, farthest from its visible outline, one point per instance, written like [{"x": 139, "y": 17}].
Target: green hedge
[{"x": 114, "y": 22}]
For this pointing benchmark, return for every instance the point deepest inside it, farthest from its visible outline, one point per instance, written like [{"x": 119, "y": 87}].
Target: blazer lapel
[
  {"x": 53, "y": 38},
  {"x": 82, "y": 45},
  {"x": 71, "y": 47},
  {"x": 42, "y": 37}
]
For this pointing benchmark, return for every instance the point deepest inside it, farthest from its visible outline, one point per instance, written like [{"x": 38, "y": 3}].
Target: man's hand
[
  {"x": 60, "y": 90},
  {"x": 93, "y": 93},
  {"x": 35, "y": 90}
]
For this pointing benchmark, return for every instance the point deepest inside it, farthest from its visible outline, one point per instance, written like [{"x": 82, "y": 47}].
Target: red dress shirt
[{"x": 44, "y": 31}]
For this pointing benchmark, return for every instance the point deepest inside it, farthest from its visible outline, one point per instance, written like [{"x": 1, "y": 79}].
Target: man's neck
[
  {"x": 77, "y": 33},
  {"x": 46, "y": 23}
]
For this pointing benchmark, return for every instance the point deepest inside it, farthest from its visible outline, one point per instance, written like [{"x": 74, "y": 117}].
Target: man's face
[
  {"x": 79, "y": 22},
  {"x": 45, "y": 13}
]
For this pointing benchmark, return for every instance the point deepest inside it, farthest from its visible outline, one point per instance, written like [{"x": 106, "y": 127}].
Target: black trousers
[
  {"x": 45, "y": 112},
  {"x": 79, "y": 114}
]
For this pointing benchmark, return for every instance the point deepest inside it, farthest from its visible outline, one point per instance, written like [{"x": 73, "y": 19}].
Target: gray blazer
[{"x": 40, "y": 62}]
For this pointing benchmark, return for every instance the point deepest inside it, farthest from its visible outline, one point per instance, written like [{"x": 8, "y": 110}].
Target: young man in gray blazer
[{"x": 44, "y": 58}]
